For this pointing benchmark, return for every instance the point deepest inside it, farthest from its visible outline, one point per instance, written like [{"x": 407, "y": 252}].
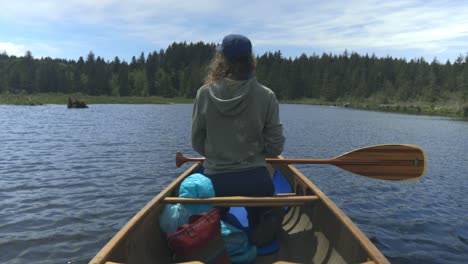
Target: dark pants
[{"x": 254, "y": 182}]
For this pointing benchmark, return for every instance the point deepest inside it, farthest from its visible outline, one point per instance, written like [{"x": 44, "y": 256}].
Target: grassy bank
[{"x": 449, "y": 108}]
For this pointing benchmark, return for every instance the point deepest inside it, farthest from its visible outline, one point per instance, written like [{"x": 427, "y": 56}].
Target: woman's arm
[
  {"x": 273, "y": 130},
  {"x": 198, "y": 128}
]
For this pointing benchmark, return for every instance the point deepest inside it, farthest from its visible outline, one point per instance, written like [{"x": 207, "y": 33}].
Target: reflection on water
[{"x": 70, "y": 178}]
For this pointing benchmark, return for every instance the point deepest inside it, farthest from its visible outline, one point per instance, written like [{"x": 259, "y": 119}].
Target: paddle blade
[
  {"x": 180, "y": 159},
  {"x": 385, "y": 162}
]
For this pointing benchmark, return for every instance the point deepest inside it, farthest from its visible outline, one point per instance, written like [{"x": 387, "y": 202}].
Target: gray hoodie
[{"x": 235, "y": 125}]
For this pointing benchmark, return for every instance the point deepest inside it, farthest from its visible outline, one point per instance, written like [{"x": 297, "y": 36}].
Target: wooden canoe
[{"x": 315, "y": 230}]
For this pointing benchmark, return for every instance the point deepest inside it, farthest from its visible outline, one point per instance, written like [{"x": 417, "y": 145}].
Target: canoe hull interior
[{"x": 315, "y": 232}]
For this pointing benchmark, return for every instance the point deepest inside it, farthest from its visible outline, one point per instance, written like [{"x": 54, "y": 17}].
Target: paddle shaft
[
  {"x": 334, "y": 161},
  {"x": 397, "y": 162}
]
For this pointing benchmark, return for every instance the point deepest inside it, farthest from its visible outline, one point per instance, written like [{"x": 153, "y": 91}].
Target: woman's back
[{"x": 239, "y": 125}]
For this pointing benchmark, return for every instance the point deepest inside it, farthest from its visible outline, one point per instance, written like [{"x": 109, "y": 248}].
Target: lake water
[{"x": 70, "y": 179}]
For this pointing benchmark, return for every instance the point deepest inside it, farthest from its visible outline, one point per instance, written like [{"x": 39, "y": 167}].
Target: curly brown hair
[{"x": 220, "y": 68}]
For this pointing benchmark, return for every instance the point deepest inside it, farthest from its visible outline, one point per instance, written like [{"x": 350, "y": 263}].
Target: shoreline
[
  {"x": 59, "y": 98},
  {"x": 447, "y": 109}
]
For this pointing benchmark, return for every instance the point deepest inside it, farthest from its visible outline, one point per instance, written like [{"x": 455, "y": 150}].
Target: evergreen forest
[{"x": 179, "y": 71}]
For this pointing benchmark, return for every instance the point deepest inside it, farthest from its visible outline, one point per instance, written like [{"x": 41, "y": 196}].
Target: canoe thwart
[{"x": 247, "y": 201}]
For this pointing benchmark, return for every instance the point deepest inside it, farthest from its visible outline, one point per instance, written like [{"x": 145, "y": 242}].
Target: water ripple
[{"x": 71, "y": 179}]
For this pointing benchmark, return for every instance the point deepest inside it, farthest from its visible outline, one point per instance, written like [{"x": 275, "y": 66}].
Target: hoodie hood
[{"x": 231, "y": 96}]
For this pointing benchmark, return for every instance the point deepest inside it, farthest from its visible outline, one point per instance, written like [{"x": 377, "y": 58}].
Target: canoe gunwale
[{"x": 103, "y": 255}]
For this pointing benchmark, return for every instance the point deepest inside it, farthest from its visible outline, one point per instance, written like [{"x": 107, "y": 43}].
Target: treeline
[{"x": 180, "y": 69}]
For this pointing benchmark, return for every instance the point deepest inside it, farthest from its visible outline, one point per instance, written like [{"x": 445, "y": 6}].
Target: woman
[{"x": 235, "y": 125}]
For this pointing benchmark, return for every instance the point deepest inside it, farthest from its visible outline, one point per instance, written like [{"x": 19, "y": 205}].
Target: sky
[{"x": 72, "y": 28}]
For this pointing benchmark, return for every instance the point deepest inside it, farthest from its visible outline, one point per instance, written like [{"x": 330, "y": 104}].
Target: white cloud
[
  {"x": 44, "y": 50},
  {"x": 12, "y": 48},
  {"x": 335, "y": 25},
  {"x": 399, "y": 25}
]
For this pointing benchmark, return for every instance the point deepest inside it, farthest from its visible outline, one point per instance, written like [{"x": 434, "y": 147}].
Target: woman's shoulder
[
  {"x": 204, "y": 90},
  {"x": 264, "y": 89}
]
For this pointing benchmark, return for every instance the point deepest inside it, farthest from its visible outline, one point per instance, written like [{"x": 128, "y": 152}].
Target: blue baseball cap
[{"x": 235, "y": 46}]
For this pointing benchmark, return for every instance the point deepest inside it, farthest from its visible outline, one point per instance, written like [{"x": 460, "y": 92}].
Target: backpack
[
  {"x": 237, "y": 244},
  {"x": 199, "y": 240}
]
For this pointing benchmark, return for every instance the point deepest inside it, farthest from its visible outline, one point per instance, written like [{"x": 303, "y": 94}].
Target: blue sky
[{"x": 71, "y": 28}]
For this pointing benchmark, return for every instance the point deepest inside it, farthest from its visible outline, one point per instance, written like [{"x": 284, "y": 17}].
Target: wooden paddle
[{"x": 393, "y": 162}]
